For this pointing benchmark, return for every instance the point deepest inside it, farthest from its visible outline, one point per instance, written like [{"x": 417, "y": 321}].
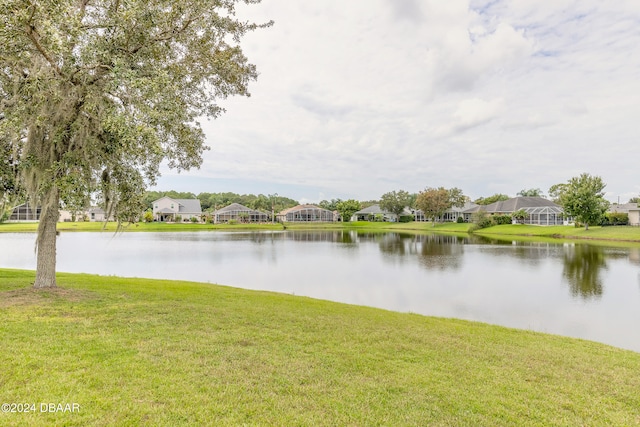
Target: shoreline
[{"x": 612, "y": 234}]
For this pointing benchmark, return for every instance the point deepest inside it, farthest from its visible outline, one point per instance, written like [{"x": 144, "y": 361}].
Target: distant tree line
[{"x": 213, "y": 201}]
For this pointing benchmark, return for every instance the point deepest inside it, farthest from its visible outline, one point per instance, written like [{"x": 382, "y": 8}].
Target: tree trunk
[{"x": 46, "y": 242}]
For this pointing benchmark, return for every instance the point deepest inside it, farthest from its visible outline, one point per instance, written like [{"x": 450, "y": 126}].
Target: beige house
[{"x": 634, "y": 216}]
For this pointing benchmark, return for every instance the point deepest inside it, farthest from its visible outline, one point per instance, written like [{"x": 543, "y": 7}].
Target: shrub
[
  {"x": 615, "y": 218},
  {"x": 195, "y": 219},
  {"x": 501, "y": 219},
  {"x": 405, "y": 218},
  {"x": 460, "y": 220},
  {"x": 148, "y": 216},
  {"x": 481, "y": 219}
]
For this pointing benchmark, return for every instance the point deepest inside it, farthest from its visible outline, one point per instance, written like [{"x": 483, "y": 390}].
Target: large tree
[
  {"x": 346, "y": 208},
  {"x": 395, "y": 201},
  {"x": 434, "y": 202},
  {"x": 582, "y": 197},
  {"x": 96, "y": 93}
]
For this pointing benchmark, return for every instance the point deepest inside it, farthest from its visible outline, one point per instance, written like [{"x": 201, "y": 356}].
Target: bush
[
  {"x": 405, "y": 218},
  {"x": 148, "y": 216},
  {"x": 501, "y": 219},
  {"x": 195, "y": 220},
  {"x": 460, "y": 220},
  {"x": 615, "y": 218},
  {"x": 481, "y": 219}
]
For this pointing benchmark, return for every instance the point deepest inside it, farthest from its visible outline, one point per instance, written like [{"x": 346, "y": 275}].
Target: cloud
[
  {"x": 469, "y": 114},
  {"x": 355, "y": 99}
]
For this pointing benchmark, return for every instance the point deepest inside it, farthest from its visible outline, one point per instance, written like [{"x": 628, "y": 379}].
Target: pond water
[{"x": 576, "y": 290}]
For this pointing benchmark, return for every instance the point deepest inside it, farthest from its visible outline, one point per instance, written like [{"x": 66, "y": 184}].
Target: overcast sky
[{"x": 358, "y": 98}]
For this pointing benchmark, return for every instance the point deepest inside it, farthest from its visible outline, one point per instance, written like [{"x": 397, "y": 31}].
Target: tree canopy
[
  {"x": 347, "y": 208},
  {"x": 95, "y": 94},
  {"x": 491, "y": 199},
  {"x": 531, "y": 192},
  {"x": 434, "y": 202},
  {"x": 395, "y": 201},
  {"x": 582, "y": 197}
]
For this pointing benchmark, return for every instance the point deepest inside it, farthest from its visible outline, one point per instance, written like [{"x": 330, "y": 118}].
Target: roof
[
  {"x": 623, "y": 207},
  {"x": 467, "y": 205},
  {"x": 189, "y": 205},
  {"x": 236, "y": 207},
  {"x": 302, "y": 207},
  {"x": 515, "y": 204},
  {"x": 371, "y": 210}
]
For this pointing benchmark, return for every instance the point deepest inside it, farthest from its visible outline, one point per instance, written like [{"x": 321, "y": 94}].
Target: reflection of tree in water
[
  {"x": 433, "y": 251},
  {"x": 441, "y": 252},
  {"x": 394, "y": 243},
  {"x": 582, "y": 265}
]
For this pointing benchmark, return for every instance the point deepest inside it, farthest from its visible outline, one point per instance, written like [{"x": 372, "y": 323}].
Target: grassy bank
[
  {"x": 619, "y": 233},
  {"x": 147, "y": 352}
]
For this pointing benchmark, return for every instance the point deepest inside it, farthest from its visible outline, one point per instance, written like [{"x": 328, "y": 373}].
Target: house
[
  {"x": 238, "y": 212},
  {"x": 25, "y": 212},
  {"x": 631, "y": 209},
  {"x": 540, "y": 211},
  {"x": 634, "y": 216},
  {"x": 374, "y": 213},
  {"x": 305, "y": 213},
  {"x": 168, "y": 209},
  {"x": 450, "y": 215},
  {"x": 96, "y": 214}
]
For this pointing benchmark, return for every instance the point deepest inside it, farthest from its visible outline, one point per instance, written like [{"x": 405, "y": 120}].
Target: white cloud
[{"x": 358, "y": 98}]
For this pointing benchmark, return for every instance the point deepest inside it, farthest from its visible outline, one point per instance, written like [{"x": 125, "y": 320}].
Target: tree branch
[{"x": 33, "y": 35}]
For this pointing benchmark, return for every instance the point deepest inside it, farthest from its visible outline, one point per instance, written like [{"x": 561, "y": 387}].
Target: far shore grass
[
  {"x": 141, "y": 352},
  {"x": 617, "y": 233}
]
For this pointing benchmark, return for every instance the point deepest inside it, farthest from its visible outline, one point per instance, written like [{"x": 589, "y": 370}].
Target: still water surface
[{"x": 569, "y": 289}]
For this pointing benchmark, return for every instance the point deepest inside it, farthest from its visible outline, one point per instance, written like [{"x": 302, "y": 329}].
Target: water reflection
[
  {"x": 582, "y": 269},
  {"x": 577, "y": 290}
]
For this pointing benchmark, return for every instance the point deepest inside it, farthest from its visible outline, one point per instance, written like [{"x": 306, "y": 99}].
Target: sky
[{"x": 355, "y": 99}]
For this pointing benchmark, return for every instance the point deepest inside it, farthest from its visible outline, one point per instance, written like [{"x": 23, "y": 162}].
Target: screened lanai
[
  {"x": 25, "y": 212},
  {"x": 240, "y": 213},
  {"x": 544, "y": 215},
  {"x": 307, "y": 213}
]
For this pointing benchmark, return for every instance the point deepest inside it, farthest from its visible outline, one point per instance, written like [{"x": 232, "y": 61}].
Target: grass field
[{"x": 147, "y": 352}]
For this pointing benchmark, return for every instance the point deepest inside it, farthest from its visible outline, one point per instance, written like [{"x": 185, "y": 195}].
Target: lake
[{"x": 571, "y": 289}]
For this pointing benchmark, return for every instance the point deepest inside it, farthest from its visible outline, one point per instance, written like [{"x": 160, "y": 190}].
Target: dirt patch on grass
[{"x": 31, "y": 296}]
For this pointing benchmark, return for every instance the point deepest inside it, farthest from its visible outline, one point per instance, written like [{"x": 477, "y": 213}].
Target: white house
[{"x": 168, "y": 209}]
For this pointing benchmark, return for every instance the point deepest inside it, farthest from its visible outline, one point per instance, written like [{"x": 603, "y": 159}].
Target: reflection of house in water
[
  {"x": 433, "y": 251},
  {"x": 634, "y": 255}
]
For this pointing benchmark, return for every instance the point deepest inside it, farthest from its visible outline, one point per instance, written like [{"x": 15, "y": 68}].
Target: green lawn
[
  {"x": 622, "y": 233},
  {"x": 160, "y": 353}
]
